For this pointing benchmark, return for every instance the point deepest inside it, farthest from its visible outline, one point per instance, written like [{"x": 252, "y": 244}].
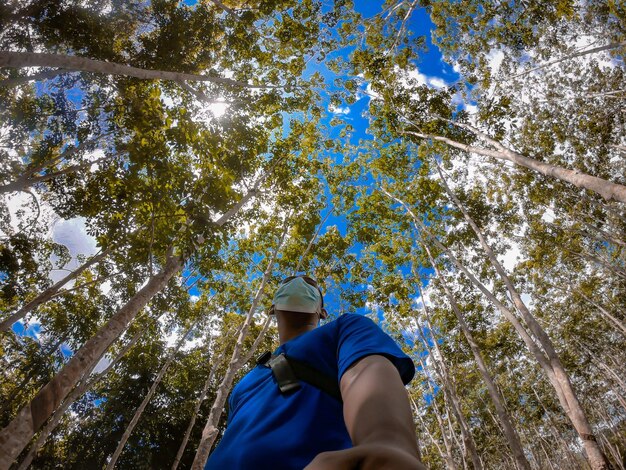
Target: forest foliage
[{"x": 481, "y": 222}]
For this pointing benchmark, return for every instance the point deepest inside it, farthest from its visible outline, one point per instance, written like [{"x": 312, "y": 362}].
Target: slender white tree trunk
[
  {"x": 139, "y": 411},
  {"x": 617, "y": 324},
  {"x": 450, "y": 390},
  {"x": 574, "y": 409},
  {"x": 425, "y": 429},
  {"x": 209, "y": 433},
  {"x": 545, "y": 453},
  {"x": 585, "y": 52},
  {"x": 25, "y": 184},
  {"x": 503, "y": 415},
  {"x": 606, "y": 189},
  {"x": 46, "y": 295},
  {"x": 83, "y": 64},
  {"x": 448, "y": 457},
  {"x": 313, "y": 238},
  {"x": 205, "y": 389},
  {"x": 16, "y": 435},
  {"x": 28, "y": 178}
]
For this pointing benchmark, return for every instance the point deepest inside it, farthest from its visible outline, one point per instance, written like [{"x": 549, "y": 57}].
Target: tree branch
[
  {"x": 570, "y": 56},
  {"x": 83, "y": 64}
]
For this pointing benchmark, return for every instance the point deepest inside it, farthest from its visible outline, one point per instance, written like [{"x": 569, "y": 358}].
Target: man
[{"x": 368, "y": 426}]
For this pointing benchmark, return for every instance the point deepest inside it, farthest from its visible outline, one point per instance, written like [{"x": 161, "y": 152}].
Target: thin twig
[{"x": 308, "y": 248}]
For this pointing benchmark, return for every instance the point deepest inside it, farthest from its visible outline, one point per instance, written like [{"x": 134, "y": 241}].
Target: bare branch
[
  {"x": 606, "y": 47},
  {"x": 37, "y": 77},
  {"x": 317, "y": 232},
  {"x": 83, "y": 64},
  {"x": 228, "y": 10}
]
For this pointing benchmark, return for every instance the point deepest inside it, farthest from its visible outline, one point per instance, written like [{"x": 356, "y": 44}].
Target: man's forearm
[
  {"x": 378, "y": 418},
  {"x": 376, "y": 407}
]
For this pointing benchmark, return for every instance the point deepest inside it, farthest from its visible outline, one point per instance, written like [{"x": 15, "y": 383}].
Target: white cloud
[
  {"x": 73, "y": 234},
  {"x": 470, "y": 108},
  {"x": 102, "y": 364},
  {"x": 371, "y": 93},
  {"x": 339, "y": 109},
  {"x": 16, "y": 203},
  {"x": 510, "y": 259},
  {"x": 430, "y": 81},
  {"x": 196, "y": 342},
  {"x": 494, "y": 60},
  {"x": 436, "y": 82},
  {"x": 97, "y": 154}
]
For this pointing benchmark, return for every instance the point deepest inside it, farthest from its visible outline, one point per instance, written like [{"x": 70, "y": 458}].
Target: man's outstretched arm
[{"x": 378, "y": 418}]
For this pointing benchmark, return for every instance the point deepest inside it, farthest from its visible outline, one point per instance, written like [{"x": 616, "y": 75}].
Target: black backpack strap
[
  {"x": 288, "y": 370},
  {"x": 316, "y": 378}
]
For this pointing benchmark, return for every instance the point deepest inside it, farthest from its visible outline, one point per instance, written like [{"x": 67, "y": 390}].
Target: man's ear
[{"x": 324, "y": 314}]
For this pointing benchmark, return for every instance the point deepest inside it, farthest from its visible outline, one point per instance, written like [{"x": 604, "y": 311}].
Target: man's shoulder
[
  {"x": 354, "y": 319},
  {"x": 345, "y": 322}
]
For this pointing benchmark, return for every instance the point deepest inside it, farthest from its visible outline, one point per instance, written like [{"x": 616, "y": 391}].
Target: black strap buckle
[
  {"x": 263, "y": 358},
  {"x": 283, "y": 373}
]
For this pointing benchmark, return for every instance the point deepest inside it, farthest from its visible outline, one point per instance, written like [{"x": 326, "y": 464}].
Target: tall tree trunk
[
  {"x": 604, "y": 188},
  {"x": 574, "y": 409},
  {"x": 205, "y": 389},
  {"x": 557, "y": 435},
  {"x": 614, "y": 322},
  {"x": 209, "y": 433},
  {"x": 450, "y": 390},
  {"x": 20, "y": 389},
  {"x": 83, "y": 64},
  {"x": 573, "y": 55},
  {"x": 425, "y": 429},
  {"x": 448, "y": 457},
  {"x": 85, "y": 385},
  {"x": 257, "y": 341},
  {"x": 614, "y": 451},
  {"x": 313, "y": 238},
  {"x": 24, "y": 184},
  {"x": 609, "y": 374},
  {"x": 16, "y": 435},
  {"x": 503, "y": 415},
  {"x": 548, "y": 358},
  {"x": 139, "y": 411},
  {"x": 49, "y": 293},
  {"x": 617, "y": 324},
  {"x": 548, "y": 459}
]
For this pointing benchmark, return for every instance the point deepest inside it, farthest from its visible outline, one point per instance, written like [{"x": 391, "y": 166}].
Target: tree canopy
[{"x": 454, "y": 170}]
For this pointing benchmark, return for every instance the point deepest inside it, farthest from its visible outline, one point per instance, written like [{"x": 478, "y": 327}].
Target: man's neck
[{"x": 292, "y": 324}]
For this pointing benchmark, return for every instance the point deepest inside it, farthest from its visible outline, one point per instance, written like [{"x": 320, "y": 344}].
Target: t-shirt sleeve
[{"x": 358, "y": 336}]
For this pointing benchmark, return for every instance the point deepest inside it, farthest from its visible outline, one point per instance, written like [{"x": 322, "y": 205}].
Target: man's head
[{"x": 299, "y": 295}]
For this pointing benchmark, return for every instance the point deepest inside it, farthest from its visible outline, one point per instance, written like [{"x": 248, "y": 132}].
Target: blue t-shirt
[{"x": 270, "y": 430}]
